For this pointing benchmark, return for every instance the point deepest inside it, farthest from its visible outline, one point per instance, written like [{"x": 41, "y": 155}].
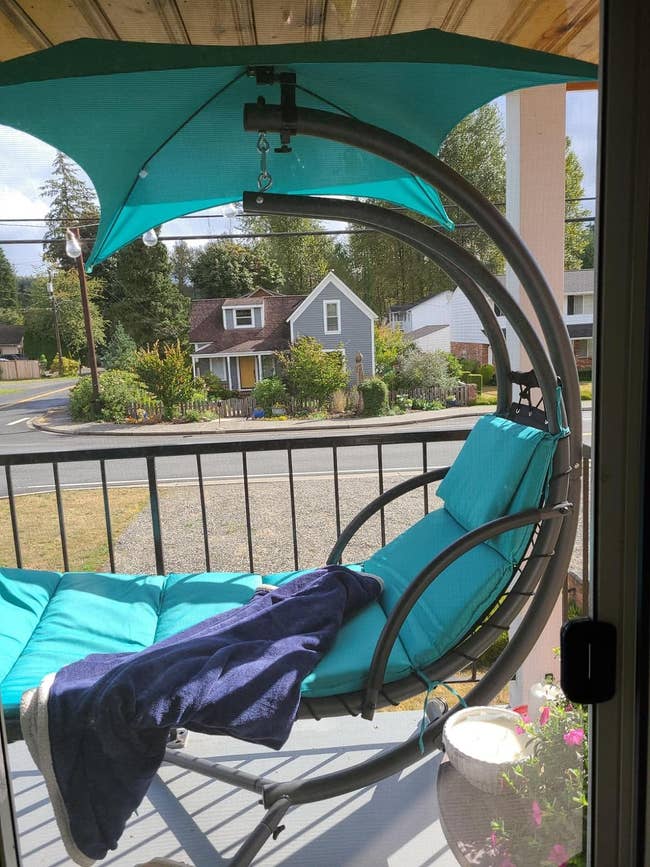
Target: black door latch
[{"x": 588, "y": 660}]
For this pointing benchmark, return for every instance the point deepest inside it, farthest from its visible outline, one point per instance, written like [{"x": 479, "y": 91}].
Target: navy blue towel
[{"x": 99, "y": 727}]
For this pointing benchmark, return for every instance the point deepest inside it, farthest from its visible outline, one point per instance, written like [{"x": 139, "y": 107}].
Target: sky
[{"x": 25, "y": 163}]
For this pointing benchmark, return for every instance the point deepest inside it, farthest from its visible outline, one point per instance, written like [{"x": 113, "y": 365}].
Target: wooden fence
[
  {"x": 242, "y": 407},
  {"x": 20, "y": 369}
]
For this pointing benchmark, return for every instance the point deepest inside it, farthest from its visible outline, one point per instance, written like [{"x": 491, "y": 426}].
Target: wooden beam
[
  {"x": 96, "y": 19},
  {"x": 173, "y": 21},
  {"x": 24, "y": 24}
]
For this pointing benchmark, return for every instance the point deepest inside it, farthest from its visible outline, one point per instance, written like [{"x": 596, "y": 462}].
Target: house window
[
  {"x": 269, "y": 367},
  {"x": 243, "y": 317},
  {"x": 583, "y": 348},
  {"x": 332, "y": 317},
  {"x": 579, "y": 304}
]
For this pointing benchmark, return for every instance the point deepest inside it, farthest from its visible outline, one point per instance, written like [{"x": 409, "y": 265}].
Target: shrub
[
  {"x": 471, "y": 365},
  {"x": 585, "y": 375},
  {"x": 117, "y": 390},
  {"x": 216, "y": 388},
  {"x": 375, "y": 396},
  {"x": 487, "y": 371},
  {"x": 585, "y": 392},
  {"x": 167, "y": 375},
  {"x": 475, "y": 378},
  {"x": 269, "y": 392},
  {"x": 70, "y": 366},
  {"x": 421, "y": 369},
  {"x": 311, "y": 373}
]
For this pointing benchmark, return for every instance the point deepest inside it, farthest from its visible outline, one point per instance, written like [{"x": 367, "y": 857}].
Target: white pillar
[{"x": 535, "y": 205}]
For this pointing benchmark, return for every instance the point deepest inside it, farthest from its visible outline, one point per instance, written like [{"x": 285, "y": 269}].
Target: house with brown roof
[{"x": 237, "y": 338}]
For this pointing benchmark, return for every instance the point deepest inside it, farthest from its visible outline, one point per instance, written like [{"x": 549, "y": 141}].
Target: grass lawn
[
  {"x": 84, "y": 524},
  {"x": 417, "y": 702}
]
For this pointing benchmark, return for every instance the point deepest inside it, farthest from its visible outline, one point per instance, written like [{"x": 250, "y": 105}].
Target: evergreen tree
[
  {"x": 120, "y": 350},
  {"x": 140, "y": 293},
  {"x": 225, "y": 270},
  {"x": 72, "y": 202},
  {"x": 8, "y": 282}
]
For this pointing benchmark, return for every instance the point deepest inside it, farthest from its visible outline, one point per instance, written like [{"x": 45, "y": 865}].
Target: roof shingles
[{"x": 206, "y": 325}]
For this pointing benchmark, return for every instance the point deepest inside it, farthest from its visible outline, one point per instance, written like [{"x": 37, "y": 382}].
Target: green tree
[
  {"x": 578, "y": 237},
  {"x": 141, "y": 294},
  {"x": 182, "y": 258},
  {"x": 39, "y": 318},
  {"x": 72, "y": 202},
  {"x": 391, "y": 344},
  {"x": 8, "y": 282},
  {"x": 11, "y": 316},
  {"x": 166, "y": 373},
  {"x": 225, "y": 270},
  {"x": 476, "y": 149},
  {"x": 311, "y": 373},
  {"x": 384, "y": 271},
  {"x": 302, "y": 260},
  {"x": 120, "y": 350}
]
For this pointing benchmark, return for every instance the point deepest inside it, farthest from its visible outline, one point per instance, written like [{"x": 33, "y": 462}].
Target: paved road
[{"x": 17, "y": 437}]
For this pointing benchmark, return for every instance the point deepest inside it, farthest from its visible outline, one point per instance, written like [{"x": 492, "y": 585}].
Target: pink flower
[
  {"x": 507, "y": 863},
  {"x": 574, "y": 737},
  {"x": 544, "y": 716},
  {"x": 522, "y": 710},
  {"x": 519, "y": 730},
  {"x": 558, "y": 855},
  {"x": 493, "y": 839},
  {"x": 537, "y": 813}
]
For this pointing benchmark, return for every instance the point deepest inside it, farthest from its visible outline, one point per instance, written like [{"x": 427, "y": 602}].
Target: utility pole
[
  {"x": 73, "y": 249},
  {"x": 50, "y": 292}
]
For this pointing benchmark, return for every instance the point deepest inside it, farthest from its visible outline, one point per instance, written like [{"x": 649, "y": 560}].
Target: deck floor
[{"x": 201, "y": 822}]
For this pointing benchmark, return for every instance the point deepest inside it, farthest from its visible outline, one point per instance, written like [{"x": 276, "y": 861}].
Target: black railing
[
  {"x": 419, "y": 450},
  {"x": 343, "y": 473}
]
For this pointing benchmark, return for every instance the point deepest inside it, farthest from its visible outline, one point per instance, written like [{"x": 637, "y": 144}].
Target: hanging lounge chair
[{"x": 453, "y": 582}]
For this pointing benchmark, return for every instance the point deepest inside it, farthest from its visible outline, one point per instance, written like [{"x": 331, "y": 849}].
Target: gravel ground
[{"x": 271, "y": 525}]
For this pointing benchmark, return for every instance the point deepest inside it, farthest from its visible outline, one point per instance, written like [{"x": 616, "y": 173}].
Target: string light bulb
[
  {"x": 72, "y": 245},
  {"x": 150, "y": 239}
]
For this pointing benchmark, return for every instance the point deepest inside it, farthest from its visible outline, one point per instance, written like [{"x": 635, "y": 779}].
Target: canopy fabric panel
[{"x": 158, "y": 128}]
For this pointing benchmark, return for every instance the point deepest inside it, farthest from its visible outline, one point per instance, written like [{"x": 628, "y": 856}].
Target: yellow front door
[{"x": 247, "y": 371}]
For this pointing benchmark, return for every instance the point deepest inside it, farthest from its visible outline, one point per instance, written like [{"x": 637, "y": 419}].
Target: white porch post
[{"x": 535, "y": 205}]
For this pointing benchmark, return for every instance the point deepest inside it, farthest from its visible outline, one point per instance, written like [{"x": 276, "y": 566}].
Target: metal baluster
[
  {"x": 382, "y": 515},
  {"x": 204, "y": 514},
  {"x": 337, "y": 504},
  {"x": 247, "y": 504},
  {"x": 425, "y": 488},
  {"x": 59, "y": 509},
  {"x": 107, "y": 514},
  {"x": 154, "y": 504},
  {"x": 292, "y": 498},
  {"x": 14, "y": 519}
]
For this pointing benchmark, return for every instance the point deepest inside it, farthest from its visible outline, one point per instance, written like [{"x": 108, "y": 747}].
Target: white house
[{"x": 448, "y": 321}]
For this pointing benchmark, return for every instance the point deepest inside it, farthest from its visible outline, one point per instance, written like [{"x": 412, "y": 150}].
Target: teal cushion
[
  {"x": 501, "y": 469},
  {"x": 24, "y": 595},
  {"x": 189, "y": 599},
  {"x": 89, "y": 613},
  {"x": 345, "y": 668},
  {"x": 457, "y": 597}
]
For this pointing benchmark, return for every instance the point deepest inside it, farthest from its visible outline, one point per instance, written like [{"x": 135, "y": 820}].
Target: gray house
[{"x": 237, "y": 338}]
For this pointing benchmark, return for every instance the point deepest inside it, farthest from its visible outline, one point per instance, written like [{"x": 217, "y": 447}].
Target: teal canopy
[{"x": 158, "y": 128}]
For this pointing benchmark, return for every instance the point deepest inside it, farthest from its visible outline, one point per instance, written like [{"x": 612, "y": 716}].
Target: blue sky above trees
[{"x": 25, "y": 163}]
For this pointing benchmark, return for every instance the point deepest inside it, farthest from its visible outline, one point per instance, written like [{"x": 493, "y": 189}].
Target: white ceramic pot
[{"x": 482, "y": 744}]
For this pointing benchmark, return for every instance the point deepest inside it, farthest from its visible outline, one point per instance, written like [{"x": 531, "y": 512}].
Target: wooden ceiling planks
[{"x": 568, "y": 27}]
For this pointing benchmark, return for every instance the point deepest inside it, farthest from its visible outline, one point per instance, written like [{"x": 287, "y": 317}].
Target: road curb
[{"x": 41, "y": 423}]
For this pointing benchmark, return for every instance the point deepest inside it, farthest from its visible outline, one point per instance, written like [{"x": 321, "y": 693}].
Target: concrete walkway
[{"x": 59, "y": 421}]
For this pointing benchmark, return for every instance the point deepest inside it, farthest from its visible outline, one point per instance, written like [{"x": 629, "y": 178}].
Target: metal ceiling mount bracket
[{"x": 265, "y": 75}]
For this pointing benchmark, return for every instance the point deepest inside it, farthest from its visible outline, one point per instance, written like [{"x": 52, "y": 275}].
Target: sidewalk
[{"x": 59, "y": 421}]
